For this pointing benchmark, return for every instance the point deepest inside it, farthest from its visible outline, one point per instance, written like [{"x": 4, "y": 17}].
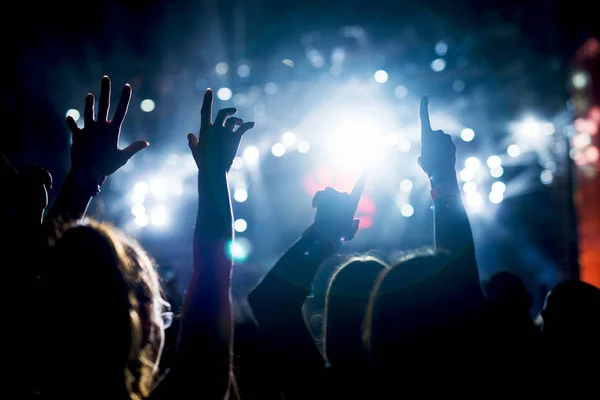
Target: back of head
[
  {"x": 508, "y": 291},
  {"x": 572, "y": 310},
  {"x": 102, "y": 310},
  {"x": 346, "y": 304},
  {"x": 423, "y": 312}
]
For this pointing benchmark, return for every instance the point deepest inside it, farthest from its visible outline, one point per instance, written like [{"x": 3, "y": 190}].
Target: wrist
[
  {"x": 89, "y": 180},
  {"x": 322, "y": 239},
  {"x": 444, "y": 188}
]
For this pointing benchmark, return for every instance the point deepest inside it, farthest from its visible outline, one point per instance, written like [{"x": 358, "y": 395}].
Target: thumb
[
  {"x": 192, "y": 141},
  {"x": 134, "y": 148}
]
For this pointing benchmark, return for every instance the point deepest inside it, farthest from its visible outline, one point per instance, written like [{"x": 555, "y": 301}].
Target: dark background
[{"x": 517, "y": 58}]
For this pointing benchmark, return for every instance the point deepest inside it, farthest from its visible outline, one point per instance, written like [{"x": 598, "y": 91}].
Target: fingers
[
  {"x": 424, "y": 113},
  {"x": 88, "y": 112},
  {"x": 222, "y": 114},
  {"x": 72, "y": 125},
  {"x": 134, "y": 148},
  {"x": 325, "y": 195},
  {"x": 123, "y": 105},
  {"x": 206, "y": 111},
  {"x": 232, "y": 122},
  {"x": 359, "y": 188},
  {"x": 104, "y": 99},
  {"x": 246, "y": 126},
  {"x": 192, "y": 141}
]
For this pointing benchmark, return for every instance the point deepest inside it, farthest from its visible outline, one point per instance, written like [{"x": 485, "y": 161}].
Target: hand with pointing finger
[
  {"x": 218, "y": 142},
  {"x": 438, "y": 152},
  {"x": 95, "y": 147},
  {"x": 335, "y": 211}
]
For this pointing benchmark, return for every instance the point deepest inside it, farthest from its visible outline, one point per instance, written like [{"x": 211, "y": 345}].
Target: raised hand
[
  {"x": 335, "y": 210},
  {"x": 438, "y": 152},
  {"x": 218, "y": 142},
  {"x": 95, "y": 147}
]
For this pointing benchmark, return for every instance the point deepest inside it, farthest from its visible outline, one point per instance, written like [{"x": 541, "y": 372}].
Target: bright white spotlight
[
  {"x": 240, "y": 195},
  {"x": 138, "y": 209},
  {"x": 579, "y": 80},
  {"x": 354, "y": 143},
  {"x": 474, "y": 200},
  {"x": 472, "y": 163},
  {"x": 138, "y": 198},
  {"x": 380, "y": 76},
  {"x": 438, "y": 64},
  {"x": 592, "y": 154},
  {"x": 582, "y": 140},
  {"x": 221, "y": 68},
  {"x": 142, "y": 220},
  {"x": 467, "y": 134},
  {"x": 546, "y": 177},
  {"x": 141, "y": 188},
  {"x": 548, "y": 128},
  {"x": 470, "y": 187},
  {"x": 278, "y": 149},
  {"x": 407, "y": 210},
  {"x": 224, "y": 94},
  {"x": 73, "y": 113},
  {"x": 494, "y": 162},
  {"x": 288, "y": 138},
  {"x": 159, "y": 216},
  {"x": 466, "y": 175},
  {"x": 238, "y": 163},
  {"x": 513, "y": 150},
  {"x": 404, "y": 145},
  {"x": 251, "y": 155},
  {"x": 406, "y": 185},
  {"x": 240, "y": 225},
  {"x": 497, "y": 172},
  {"x": 158, "y": 188},
  {"x": 303, "y": 146},
  {"x": 176, "y": 189},
  {"x": 499, "y": 187},
  {"x": 147, "y": 105},
  {"x": 496, "y": 197}
]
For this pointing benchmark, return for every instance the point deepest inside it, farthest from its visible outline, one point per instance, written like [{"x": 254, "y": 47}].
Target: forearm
[
  {"x": 206, "y": 330},
  {"x": 452, "y": 230},
  {"x": 286, "y": 285}
]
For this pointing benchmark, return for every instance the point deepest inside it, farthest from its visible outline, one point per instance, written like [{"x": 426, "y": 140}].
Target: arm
[
  {"x": 95, "y": 153},
  {"x": 277, "y": 301},
  {"x": 452, "y": 231},
  {"x": 78, "y": 190},
  {"x": 206, "y": 327}
]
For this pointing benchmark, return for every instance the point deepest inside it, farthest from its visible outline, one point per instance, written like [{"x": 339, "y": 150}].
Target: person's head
[
  {"x": 103, "y": 314},
  {"x": 507, "y": 291},
  {"x": 572, "y": 310},
  {"x": 420, "y": 313},
  {"x": 346, "y": 303}
]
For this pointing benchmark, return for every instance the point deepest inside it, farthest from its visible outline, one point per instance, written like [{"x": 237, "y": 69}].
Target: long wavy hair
[{"x": 117, "y": 267}]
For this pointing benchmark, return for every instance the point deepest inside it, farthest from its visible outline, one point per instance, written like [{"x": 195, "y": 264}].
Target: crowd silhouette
[{"x": 94, "y": 320}]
